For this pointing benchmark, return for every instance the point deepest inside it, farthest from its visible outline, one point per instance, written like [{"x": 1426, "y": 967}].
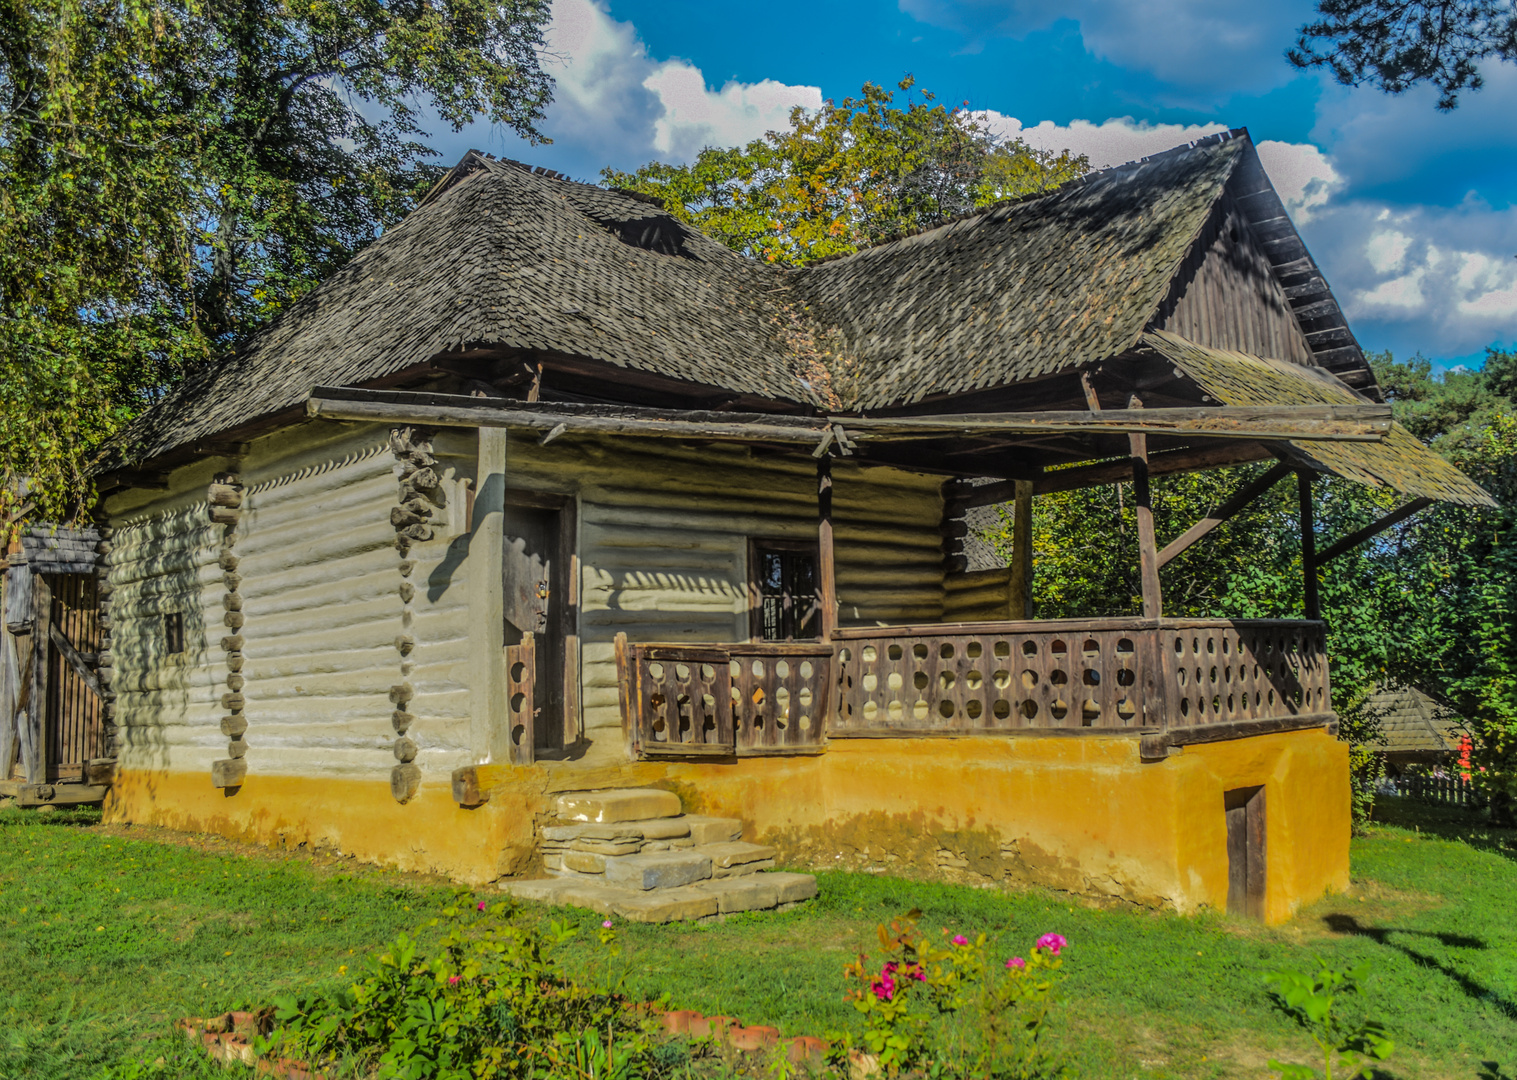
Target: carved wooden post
[
  {"x": 1311, "y": 604},
  {"x": 1021, "y": 552},
  {"x": 225, "y": 498},
  {"x": 826, "y": 566}
]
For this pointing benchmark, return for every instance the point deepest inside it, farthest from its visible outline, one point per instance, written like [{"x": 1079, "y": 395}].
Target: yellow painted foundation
[{"x": 1080, "y": 814}]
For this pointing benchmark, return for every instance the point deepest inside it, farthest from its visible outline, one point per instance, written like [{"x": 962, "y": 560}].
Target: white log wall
[{"x": 663, "y": 535}]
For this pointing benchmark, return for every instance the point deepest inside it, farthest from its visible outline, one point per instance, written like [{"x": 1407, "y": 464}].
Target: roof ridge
[{"x": 1216, "y": 138}]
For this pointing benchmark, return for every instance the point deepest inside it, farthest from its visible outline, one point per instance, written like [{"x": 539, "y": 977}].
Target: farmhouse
[{"x": 546, "y": 493}]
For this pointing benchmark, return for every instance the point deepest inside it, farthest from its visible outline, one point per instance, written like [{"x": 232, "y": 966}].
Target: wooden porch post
[
  {"x": 1148, "y": 550},
  {"x": 826, "y": 566},
  {"x": 1021, "y": 552},
  {"x": 1311, "y": 603}
]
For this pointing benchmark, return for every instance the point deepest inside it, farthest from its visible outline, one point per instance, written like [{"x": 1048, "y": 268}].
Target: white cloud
[
  {"x": 613, "y": 98},
  {"x": 1110, "y": 142},
  {"x": 694, "y": 117},
  {"x": 1302, "y": 174},
  {"x": 1386, "y": 250},
  {"x": 1190, "y": 44}
]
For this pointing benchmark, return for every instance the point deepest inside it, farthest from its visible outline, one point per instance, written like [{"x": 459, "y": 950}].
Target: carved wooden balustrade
[
  {"x": 759, "y": 698},
  {"x": 1189, "y": 680}
]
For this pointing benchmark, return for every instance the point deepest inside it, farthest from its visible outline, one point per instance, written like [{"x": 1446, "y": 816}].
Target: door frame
[{"x": 566, "y": 554}]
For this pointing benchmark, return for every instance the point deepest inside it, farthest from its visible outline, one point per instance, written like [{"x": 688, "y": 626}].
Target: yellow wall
[{"x": 1082, "y": 814}]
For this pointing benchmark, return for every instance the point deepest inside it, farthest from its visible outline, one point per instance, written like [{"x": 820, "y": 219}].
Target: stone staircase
[{"x": 633, "y": 852}]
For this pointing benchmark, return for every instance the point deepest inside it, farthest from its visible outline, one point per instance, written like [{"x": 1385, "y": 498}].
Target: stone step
[
  {"x": 617, "y": 805},
  {"x": 659, "y": 870},
  {"x": 688, "y": 903}
]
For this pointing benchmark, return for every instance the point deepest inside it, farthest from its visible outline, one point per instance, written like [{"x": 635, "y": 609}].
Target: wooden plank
[
  {"x": 1311, "y": 605},
  {"x": 1247, "y": 729},
  {"x": 1148, "y": 555},
  {"x": 1327, "y": 423},
  {"x": 1359, "y": 536},
  {"x": 42, "y": 603},
  {"x": 71, "y": 655},
  {"x": 1109, "y": 472},
  {"x": 826, "y": 557},
  {"x": 10, "y": 686},
  {"x": 1245, "y": 495},
  {"x": 1020, "y": 606}
]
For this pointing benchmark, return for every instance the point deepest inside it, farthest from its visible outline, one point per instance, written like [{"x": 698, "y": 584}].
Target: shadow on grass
[
  {"x": 17, "y": 817},
  {"x": 1381, "y": 935},
  {"x": 1462, "y": 823}
]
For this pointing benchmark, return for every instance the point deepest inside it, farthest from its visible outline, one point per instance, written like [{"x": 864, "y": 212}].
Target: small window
[
  {"x": 173, "y": 632},
  {"x": 786, "y": 600}
]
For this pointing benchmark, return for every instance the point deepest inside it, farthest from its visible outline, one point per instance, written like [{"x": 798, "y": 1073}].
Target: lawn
[{"x": 110, "y": 933}]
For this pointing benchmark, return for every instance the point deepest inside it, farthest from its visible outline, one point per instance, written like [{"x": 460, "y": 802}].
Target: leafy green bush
[
  {"x": 1311, "y": 998},
  {"x": 490, "y": 1001},
  {"x": 945, "y": 1011}
]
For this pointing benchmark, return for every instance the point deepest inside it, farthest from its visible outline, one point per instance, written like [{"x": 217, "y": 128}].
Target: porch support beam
[
  {"x": 1311, "y": 604},
  {"x": 1240, "y": 499},
  {"x": 826, "y": 564},
  {"x": 1359, "y": 536},
  {"x": 1021, "y": 552},
  {"x": 1148, "y": 551}
]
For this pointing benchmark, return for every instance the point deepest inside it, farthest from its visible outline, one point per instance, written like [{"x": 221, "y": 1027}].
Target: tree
[
  {"x": 175, "y": 172},
  {"x": 849, "y": 175},
  {"x": 1395, "y": 44}
]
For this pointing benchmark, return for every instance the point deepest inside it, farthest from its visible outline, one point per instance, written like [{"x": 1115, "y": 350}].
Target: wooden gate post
[{"x": 826, "y": 566}]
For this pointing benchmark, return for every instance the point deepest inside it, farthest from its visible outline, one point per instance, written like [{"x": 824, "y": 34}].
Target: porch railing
[
  {"x": 1190, "y": 680},
  {"x": 759, "y": 698}
]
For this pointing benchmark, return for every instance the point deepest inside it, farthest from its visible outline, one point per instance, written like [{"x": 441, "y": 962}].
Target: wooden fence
[{"x": 1449, "y": 790}]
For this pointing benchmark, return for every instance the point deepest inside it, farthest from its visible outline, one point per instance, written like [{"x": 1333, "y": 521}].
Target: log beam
[
  {"x": 1245, "y": 495},
  {"x": 1359, "y": 536},
  {"x": 1021, "y": 552}
]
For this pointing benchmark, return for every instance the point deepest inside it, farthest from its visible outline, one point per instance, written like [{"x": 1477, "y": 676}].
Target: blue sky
[{"x": 1411, "y": 213}]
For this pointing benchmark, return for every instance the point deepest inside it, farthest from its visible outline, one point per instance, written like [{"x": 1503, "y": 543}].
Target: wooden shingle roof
[{"x": 519, "y": 261}]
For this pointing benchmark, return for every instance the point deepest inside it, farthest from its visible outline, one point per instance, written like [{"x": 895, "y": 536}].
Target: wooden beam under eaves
[
  {"x": 1359, "y": 536},
  {"x": 1240, "y": 499}
]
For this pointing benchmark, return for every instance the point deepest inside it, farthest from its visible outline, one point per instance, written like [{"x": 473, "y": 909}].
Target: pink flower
[
  {"x": 481, "y": 906},
  {"x": 919, "y": 974},
  {"x": 1017, "y": 962},
  {"x": 960, "y": 939},
  {"x": 606, "y": 925},
  {"x": 453, "y": 980},
  {"x": 1052, "y": 942},
  {"x": 884, "y": 988},
  {"x": 890, "y": 968}
]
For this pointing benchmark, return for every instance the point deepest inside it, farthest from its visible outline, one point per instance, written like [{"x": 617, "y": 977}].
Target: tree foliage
[
  {"x": 1395, "y": 44},
  {"x": 848, "y": 175},
  {"x": 174, "y": 172},
  {"x": 1431, "y": 602}
]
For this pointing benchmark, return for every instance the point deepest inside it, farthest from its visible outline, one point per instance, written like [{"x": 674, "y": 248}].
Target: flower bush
[
  {"x": 946, "y": 1011},
  {"x": 489, "y": 1002}
]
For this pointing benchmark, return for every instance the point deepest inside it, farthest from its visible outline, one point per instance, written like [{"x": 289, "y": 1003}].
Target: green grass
[{"x": 109, "y": 934}]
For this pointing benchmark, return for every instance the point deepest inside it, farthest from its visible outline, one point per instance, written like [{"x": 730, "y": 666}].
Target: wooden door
[
  {"x": 73, "y": 730},
  {"x": 539, "y": 552},
  {"x": 1245, "y": 851}
]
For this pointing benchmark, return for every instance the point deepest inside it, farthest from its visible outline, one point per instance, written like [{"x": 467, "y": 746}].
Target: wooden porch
[{"x": 1167, "y": 681}]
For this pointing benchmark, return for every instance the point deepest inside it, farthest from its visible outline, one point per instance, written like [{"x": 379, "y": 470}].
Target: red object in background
[{"x": 1465, "y": 746}]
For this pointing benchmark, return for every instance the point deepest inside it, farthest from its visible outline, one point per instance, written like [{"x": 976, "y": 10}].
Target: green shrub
[
  {"x": 490, "y": 1001},
  {"x": 944, "y": 1011},
  {"x": 1311, "y": 999}
]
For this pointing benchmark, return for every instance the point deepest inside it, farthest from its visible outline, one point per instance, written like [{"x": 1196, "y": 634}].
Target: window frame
[{"x": 757, "y": 546}]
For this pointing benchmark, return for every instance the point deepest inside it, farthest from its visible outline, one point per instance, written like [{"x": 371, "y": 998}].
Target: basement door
[
  {"x": 539, "y": 600},
  {"x": 1245, "y": 851}
]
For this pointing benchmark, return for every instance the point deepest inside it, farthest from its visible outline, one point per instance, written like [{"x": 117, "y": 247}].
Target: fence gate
[{"x": 73, "y": 730}]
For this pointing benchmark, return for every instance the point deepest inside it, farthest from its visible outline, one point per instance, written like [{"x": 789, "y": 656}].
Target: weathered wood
[
  {"x": 1240, "y": 499},
  {"x": 1175, "y": 461},
  {"x": 1359, "y": 536},
  {"x": 100, "y": 772},
  {"x": 61, "y": 794},
  {"x": 18, "y": 598},
  {"x": 10, "y": 685},
  {"x": 228, "y": 772},
  {"x": 1311, "y": 605},
  {"x": 1148, "y": 555},
  {"x": 521, "y": 699},
  {"x": 42, "y": 617},
  {"x": 467, "y": 789},
  {"x": 1332, "y": 423},
  {"x": 1248, "y": 729},
  {"x": 227, "y": 495},
  {"x": 826, "y": 556},
  {"x": 71, "y": 655},
  {"x": 1021, "y": 552},
  {"x": 404, "y": 782}
]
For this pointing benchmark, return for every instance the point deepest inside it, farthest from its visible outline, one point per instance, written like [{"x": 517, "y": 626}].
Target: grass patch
[{"x": 109, "y": 934}]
